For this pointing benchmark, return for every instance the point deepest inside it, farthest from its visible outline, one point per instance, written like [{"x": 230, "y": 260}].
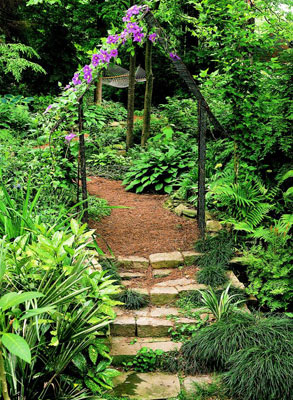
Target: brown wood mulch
[{"x": 144, "y": 228}]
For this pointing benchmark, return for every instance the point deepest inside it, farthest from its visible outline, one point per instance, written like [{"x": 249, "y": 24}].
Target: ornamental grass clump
[
  {"x": 215, "y": 344},
  {"x": 213, "y": 264},
  {"x": 133, "y": 300},
  {"x": 261, "y": 372}
]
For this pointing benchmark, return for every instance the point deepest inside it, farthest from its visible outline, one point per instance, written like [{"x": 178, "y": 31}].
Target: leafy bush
[
  {"x": 181, "y": 113},
  {"x": 157, "y": 169},
  {"x": 133, "y": 300},
  {"x": 270, "y": 268},
  {"x": 98, "y": 208},
  {"x": 111, "y": 270},
  {"x": 76, "y": 307},
  {"x": 16, "y": 116},
  {"x": 146, "y": 360}
]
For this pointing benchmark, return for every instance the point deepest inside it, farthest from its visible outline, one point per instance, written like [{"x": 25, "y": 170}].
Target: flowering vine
[{"x": 133, "y": 32}]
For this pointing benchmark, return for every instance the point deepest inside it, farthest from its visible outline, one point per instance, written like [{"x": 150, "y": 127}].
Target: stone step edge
[{"x": 162, "y": 260}]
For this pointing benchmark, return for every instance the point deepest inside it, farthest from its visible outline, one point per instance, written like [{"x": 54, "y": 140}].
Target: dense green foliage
[{"x": 240, "y": 56}]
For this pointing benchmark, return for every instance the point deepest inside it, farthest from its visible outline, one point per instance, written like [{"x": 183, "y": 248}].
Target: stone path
[{"x": 150, "y": 327}]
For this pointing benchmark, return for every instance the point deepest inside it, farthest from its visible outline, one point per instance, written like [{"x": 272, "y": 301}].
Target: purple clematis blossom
[
  {"x": 114, "y": 53},
  {"x": 132, "y": 27},
  {"x": 112, "y": 39},
  {"x": 96, "y": 60},
  {"x": 137, "y": 37},
  {"x": 75, "y": 79},
  {"x": 174, "y": 56},
  {"x": 48, "y": 109},
  {"x": 153, "y": 37},
  {"x": 69, "y": 137}
]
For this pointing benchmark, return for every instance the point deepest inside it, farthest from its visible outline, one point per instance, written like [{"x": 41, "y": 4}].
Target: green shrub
[
  {"x": 133, "y": 300},
  {"x": 261, "y": 372},
  {"x": 98, "y": 208},
  {"x": 270, "y": 269},
  {"x": 157, "y": 169},
  {"x": 213, "y": 275},
  {"x": 146, "y": 360}
]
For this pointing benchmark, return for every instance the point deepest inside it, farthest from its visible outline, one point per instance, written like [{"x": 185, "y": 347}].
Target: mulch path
[{"x": 144, "y": 228}]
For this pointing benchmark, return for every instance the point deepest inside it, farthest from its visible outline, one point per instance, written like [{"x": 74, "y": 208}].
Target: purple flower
[
  {"x": 124, "y": 36},
  {"x": 75, "y": 79},
  {"x": 112, "y": 39},
  {"x": 174, "y": 56},
  {"x": 137, "y": 37},
  {"x": 88, "y": 77},
  {"x": 69, "y": 137},
  {"x": 86, "y": 69},
  {"x": 48, "y": 108},
  {"x": 114, "y": 53},
  {"x": 67, "y": 87},
  {"x": 132, "y": 27},
  {"x": 134, "y": 10},
  {"x": 105, "y": 56},
  {"x": 96, "y": 60},
  {"x": 18, "y": 186},
  {"x": 153, "y": 37}
]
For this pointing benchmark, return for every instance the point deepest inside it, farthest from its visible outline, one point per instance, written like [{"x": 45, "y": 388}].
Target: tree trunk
[
  {"x": 82, "y": 162},
  {"x": 130, "y": 105},
  {"x": 148, "y": 93},
  {"x": 99, "y": 91},
  {"x": 202, "y": 128}
]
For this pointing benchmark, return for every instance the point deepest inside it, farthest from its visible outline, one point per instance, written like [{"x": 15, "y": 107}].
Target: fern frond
[{"x": 12, "y": 60}]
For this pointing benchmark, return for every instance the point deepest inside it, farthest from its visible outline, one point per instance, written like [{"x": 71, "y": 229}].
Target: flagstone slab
[
  {"x": 163, "y": 295},
  {"x": 120, "y": 345},
  {"x": 176, "y": 282},
  {"x": 190, "y": 288},
  {"x": 166, "y": 260},
  {"x": 191, "y": 257},
  {"x": 153, "y": 327},
  {"x": 146, "y": 386},
  {"x": 188, "y": 383},
  {"x": 161, "y": 273},
  {"x": 131, "y": 275},
  {"x": 123, "y": 326},
  {"x": 133, "y": 262}
]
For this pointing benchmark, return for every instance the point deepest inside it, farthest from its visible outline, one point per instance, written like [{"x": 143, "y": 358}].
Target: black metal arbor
[{"x": 204, "y": 112}]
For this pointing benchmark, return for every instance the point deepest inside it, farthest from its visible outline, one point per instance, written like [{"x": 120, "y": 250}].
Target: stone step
[
  {"x": 147, "y": 322},
  {"x": 146, "y": 386},
  {"x": 124, "y": 349}
]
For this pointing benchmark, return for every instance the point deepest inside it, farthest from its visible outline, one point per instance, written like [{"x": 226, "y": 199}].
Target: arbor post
[
  {"x": 148, "y": 94},
  {"x": 130, "y": 103},
  {"x": 82, "y": 161},
  {"x": 202, "y": 128}
]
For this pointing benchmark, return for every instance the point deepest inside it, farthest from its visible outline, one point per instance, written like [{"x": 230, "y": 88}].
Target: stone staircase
[{"x": 162, "y": 277}]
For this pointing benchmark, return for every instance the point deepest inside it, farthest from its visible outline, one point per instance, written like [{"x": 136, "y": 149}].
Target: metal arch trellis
[{"x": 204, "y": 111}]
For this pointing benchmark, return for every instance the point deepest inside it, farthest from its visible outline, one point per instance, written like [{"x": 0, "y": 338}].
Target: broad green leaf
[
  {"x": 74, "y": 226},
  {"x": 17, "y": 345},
  {"x": 13, "y": 299},
  {"x": 80, "y": 362},
  {"x": 93, "y": 354}
]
